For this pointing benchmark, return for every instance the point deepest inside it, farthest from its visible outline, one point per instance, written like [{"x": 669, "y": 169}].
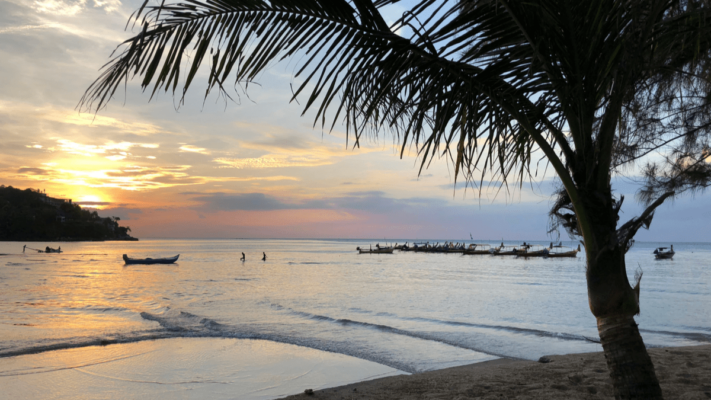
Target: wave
[
  {"x": 185, "y": 324},
  {"x": 71, "y": 343},
  {"x": 176, "y": 323},
  {"x": 513, "y": 329},
  {"x": 307, "y": 263},
  {"x": 440, "y": 338},
  {"x": 695, "y": 336}
]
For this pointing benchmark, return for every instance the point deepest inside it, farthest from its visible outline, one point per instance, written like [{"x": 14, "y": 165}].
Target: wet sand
[
  {"x": 683, "y": 372},
  {"x": 180, "y": 368}
]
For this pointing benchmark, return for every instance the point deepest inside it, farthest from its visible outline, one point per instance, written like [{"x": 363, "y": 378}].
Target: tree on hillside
[{"x": 594, "y": 87}]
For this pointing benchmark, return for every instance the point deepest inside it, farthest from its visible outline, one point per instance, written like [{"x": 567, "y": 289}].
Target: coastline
[
  {"x": 682, "y": 371},
  {"x": 131, "y": 239}
]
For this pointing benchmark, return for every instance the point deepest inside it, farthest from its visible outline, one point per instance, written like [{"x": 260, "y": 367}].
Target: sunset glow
[{"x": 247, "y": 167}]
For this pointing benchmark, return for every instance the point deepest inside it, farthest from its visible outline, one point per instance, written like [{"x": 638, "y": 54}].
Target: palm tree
[{"x": 593, "y": 87}]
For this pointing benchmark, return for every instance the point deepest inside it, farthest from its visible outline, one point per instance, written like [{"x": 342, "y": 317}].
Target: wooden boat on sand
[
  {"x": 662, "y": 253},
  {"x": 169, "y": 260}
]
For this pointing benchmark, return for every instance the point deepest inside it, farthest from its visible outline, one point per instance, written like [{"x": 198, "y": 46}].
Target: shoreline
[
  {"x": 132, "y": 239},
  {"x": 683, "y": 373},
  {"x": 183, "y": 367}
]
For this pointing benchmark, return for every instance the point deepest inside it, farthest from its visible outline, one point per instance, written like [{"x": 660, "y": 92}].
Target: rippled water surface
[{"x": 410, "y": 311}]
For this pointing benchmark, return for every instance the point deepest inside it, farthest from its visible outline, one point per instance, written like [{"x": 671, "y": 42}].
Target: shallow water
[
  {"x": 409, "y": 311},
  {"x": 186, "y": 368}
]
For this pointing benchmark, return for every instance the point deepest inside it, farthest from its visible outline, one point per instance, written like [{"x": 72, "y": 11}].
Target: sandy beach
[{"x": 684, "y": 373}]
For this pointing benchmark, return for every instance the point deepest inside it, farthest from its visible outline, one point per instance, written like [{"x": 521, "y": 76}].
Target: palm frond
[
  {"x": 476, "y": 112},
  {"x": 487, "y": 84}
]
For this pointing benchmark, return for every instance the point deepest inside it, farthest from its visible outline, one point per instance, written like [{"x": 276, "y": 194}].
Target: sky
[{"x": 255, "y": 168}]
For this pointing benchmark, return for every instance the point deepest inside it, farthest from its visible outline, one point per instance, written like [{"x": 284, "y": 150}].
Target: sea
[{"x": 411, "y": 312}]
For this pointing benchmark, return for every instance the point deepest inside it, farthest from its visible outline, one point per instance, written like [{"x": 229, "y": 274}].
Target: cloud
[
  {"x": 125, "y": 213},
  {"x": 70, "y": 117},
  {"x": 108, "y": 5},
  {"x": 59, "y": 7},
  {"x": 193, "y": 149},
  {"x": 286, "y": 151},
  {"x": 93, "y": 203},
  {"x": 114, "y": 151},
  {"x": 247, "y": 202},
  {"x": 376, "y": 193},
  {"x": 33, "y": 171},
  {"x": 28, "y": 28},
  {"x": 374, "y": 202},
  {"x": 476, "y": 185},
  {"x": 260, "y": 178},
  {"x": 272, "y": 162},
  {"x": 95, "y": 121},
  {"x": 377, "y": 202},
  {"x": 130, "y": 177},
  {"x": 72, "y": 7}
]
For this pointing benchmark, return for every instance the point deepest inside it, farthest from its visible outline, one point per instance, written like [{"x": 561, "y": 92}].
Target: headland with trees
[{"x": 31, "y": 215}]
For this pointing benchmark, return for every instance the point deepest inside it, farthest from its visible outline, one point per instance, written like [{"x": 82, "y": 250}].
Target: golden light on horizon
[{"x": 90, "y": 198}]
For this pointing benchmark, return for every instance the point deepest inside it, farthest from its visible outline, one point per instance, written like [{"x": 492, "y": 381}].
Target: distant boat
[
  {"x": 532, "y": 250},
  {"x": 377, "y": 250},
  {"x": 476, "y": 248},
  {"x": 414, "y": 247},
  {"x": 505, "y": 250},
  {"x": 420, "y": 247},
  {"x": 559, "y": 251},
  {"x": 46, "y": 249},
  {"x": 168, "y": 260},
  {"x": 661, "y": 253}
]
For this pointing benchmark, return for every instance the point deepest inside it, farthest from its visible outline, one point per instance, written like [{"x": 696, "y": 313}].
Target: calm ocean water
[{"x": 410, "y": 311}]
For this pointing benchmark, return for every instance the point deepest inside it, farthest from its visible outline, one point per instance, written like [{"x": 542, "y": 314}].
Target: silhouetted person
[
  {"x": 264, "y": 256},
  {"x": 59, "y": 248},
  {"x": 23, "y": 248},
  {"x": 243, "y": 257}
]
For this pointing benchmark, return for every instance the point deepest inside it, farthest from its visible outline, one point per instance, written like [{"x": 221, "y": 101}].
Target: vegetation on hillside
[{"x": 32, "y": 215}]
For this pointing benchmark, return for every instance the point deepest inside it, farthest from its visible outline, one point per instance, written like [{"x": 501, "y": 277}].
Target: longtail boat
[
  {"x": 477, "y": 248},
  {"x": 559, "y": 251},
  {"x": 532, "y": 250},
  {"x": 505, "y": 250},
  {"x": 169, "y": 260},
  {"x": 376, "y": 250},
  {"x": 662, "y": 253}
]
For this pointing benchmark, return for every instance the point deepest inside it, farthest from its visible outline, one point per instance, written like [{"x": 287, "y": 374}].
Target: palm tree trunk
[
  {"x": 631, "y": 369},
  {"x": 614, "y": 303}
]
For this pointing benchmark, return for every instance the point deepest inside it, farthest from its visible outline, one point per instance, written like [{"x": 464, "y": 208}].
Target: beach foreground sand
[{"x": 684, "y": 373}]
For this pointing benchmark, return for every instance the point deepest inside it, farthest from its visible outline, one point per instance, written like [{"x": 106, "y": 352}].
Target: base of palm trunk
[{"x": 631, "y": 369}]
